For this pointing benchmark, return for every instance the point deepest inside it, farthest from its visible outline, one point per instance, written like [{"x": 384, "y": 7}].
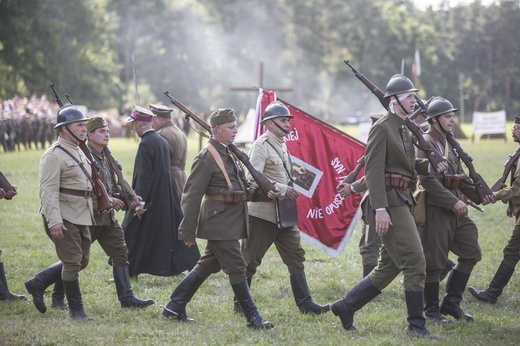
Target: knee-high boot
[
  {"x": 236, "y": 306},
  {"x": 496, "y": 286},
  {"x": 254, "y": 319},
  {"x": 73, "y": 293},
  {"x": 39, "y": 283},
  {"x": 416, "y": 320},
  {"x": 5, "y": 294},
  {"x": 124, "y": 290},
  {"x": 358, "y": 297},
  {"x": 449, "y": 266},
  {"x": 58, "y": 296},
  {"x": 302, "y": 296},
  {"x": 181, "y": 296},
  {"x": 431, "y": 303},
  {"x": 454, "y": 289}
]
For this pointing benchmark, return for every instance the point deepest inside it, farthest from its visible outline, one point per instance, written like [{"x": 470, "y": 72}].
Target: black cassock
[{"x": 152, "y": 241}]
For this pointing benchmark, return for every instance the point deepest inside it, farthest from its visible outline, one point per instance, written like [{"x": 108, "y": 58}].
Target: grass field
[{"x": 382, "y": 322}]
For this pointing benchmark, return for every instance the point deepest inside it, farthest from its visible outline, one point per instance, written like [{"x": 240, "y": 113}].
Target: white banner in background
[{"x": 487, "y": 123}]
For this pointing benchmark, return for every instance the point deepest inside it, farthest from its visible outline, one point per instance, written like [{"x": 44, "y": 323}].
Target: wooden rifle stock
[
  {"x": 129, "y": 194},
  {"x": 433, "y": 156},
  {"x": 511, "y": 161},
  {"x": 103, "y": 199},
  {"x": 483, "y": 189},
  {"x": 263, "y": 183}
]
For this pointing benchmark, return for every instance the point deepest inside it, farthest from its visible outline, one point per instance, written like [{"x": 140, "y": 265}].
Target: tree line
[{"x": 199, "y": 49}]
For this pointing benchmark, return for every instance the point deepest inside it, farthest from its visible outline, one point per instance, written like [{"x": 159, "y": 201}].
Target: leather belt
[
  {"x": 221, "y": 198},
  {"x": 79, "y": 193},
  {"x": 400, "y": 182}
]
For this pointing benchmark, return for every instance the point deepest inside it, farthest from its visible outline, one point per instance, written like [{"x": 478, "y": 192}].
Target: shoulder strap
[
  {"x": 220, "y": 163},
  {"x": 79, "y": 163},
  {"x": 283, "y": 162}
]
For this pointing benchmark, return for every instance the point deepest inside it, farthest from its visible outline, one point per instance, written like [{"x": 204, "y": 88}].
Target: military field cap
[
  {"x": 140, "y": 114},
  {"x": 160, "y": 110},
  {"x": 375, "y": 117},
  {"x": 222, "y": 116},
  {"x": 517, "y": 119},
  {"x": 96, "y": 123}
]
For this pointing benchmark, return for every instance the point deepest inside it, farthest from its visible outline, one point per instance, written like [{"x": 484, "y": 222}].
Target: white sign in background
[{"x": 489, "y": 122}]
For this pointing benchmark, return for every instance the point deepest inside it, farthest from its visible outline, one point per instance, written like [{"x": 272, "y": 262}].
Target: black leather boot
[
  {"x": 449, "y": 266},
  {"x": 254, "y": 319},
  {"x": 367, "y": 269},
  {"x": 431, "y": 303},
  {"x": 73, "y": 293},
  {"x": 58, "y": 296},
  {"x": 39, "y": 283},
  {"x": 236, "y": 306},
  {"x": 124, "y": 290},
  {"x": 416, "y": 320},
  {"x": 358, "y": 297},
  {"x": 181, "y": 296},
  {"x": 5, "y": 294},
  {"x": 454, "y": 289},
  {"x": 500, "y": 280},
  {"x": 302, "y": 296}
]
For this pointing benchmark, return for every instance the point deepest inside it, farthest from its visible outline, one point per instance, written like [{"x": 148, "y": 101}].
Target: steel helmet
[
  {"x": 399, "y": 84},
  {"x": 69, "y": 114},
  {"x": 439, "y": 106},
  {"x": 275, "y": 109}
]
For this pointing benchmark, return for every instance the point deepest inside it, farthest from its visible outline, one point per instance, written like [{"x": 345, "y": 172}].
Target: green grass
[{"x": 382, "y": 322}]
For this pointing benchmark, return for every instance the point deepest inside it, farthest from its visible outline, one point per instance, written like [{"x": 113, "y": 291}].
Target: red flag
[
  {"x": 322, "y": 156},
  {"x": 416, "y": 65}
]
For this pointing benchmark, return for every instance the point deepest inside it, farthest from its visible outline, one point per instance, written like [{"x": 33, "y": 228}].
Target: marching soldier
[{"x": 215, "y": 209}]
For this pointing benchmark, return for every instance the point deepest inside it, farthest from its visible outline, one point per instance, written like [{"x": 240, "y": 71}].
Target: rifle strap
[
  {"x": 220, "y": 163},
  {"x": 80, "y": 164}
]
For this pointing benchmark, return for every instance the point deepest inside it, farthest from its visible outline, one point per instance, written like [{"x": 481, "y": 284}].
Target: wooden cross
[{"x": 261, "y": 84}]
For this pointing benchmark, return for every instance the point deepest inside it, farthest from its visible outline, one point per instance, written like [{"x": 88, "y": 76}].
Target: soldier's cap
[
  {"x": 517, "y": 119},
  {"x": 222, "y": 116},
  {"x": 160, "y": 110},
  {"x": 96, "y": 123},
  {"x": 140, "y": 114},
  {"x": 375, "y": 117}
]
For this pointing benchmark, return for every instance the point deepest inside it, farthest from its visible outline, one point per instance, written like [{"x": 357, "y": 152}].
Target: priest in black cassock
[{"x": 151, "y": 230}]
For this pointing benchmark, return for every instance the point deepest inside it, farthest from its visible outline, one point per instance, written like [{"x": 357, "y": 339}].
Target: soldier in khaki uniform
[
  {"x": 5, "y": 293},
  {"x": 269, "y": 156},
  {"x": 67, "y": 207},
  {"x": 106, "y": 231},
  {"x": 447, "y": 226},
  {"x": 163, "y": 125},
  {"x": 215, "y": 209},
  {"x": 511, "y": 195},
  {"x": 390, "y": 150}
]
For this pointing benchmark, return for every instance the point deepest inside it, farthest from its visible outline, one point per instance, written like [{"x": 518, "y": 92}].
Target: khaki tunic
[
  {"x": 59, "y": 170},
  {"x": 179, "y": 148}
]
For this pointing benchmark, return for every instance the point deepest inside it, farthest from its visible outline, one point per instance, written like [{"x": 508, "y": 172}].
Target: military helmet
[
  {"x": 276, "y": 109},
  {"x": 439, "y": 106},
  {"x": 69, "y": 114},
  {"x": 399, "y": 84}
]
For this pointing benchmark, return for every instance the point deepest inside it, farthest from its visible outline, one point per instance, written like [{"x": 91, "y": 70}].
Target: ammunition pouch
[
  {"x": 400, "y": 182},
  {"x": 230, "y": 196},
  {"x": 452, "y": 181}
]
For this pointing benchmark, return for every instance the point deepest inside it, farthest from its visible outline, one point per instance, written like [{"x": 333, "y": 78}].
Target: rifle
[
  {"x": 351, "y": 177},
  {"x": 431, "y": 153},
  {"x": 103, "y": 199},
  {"x": 511, "y": 161},
  {"x": 483, "y": 189},
  {"x": 263, "y": 183},
  {"x": 129, "y": 195}
]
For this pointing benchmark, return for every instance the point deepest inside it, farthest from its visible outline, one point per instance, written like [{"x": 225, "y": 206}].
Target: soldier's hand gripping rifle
[
  {"x": 103, "y": 199},
  {"x": 431, "y": 153},
  {"x": 263, "y": 183},
  {"x": 482, "y": 188},
  {"x": 351, "y": 177},
  {"x": 130, "y": 198},
  {"x": 511, "y": 161}
]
